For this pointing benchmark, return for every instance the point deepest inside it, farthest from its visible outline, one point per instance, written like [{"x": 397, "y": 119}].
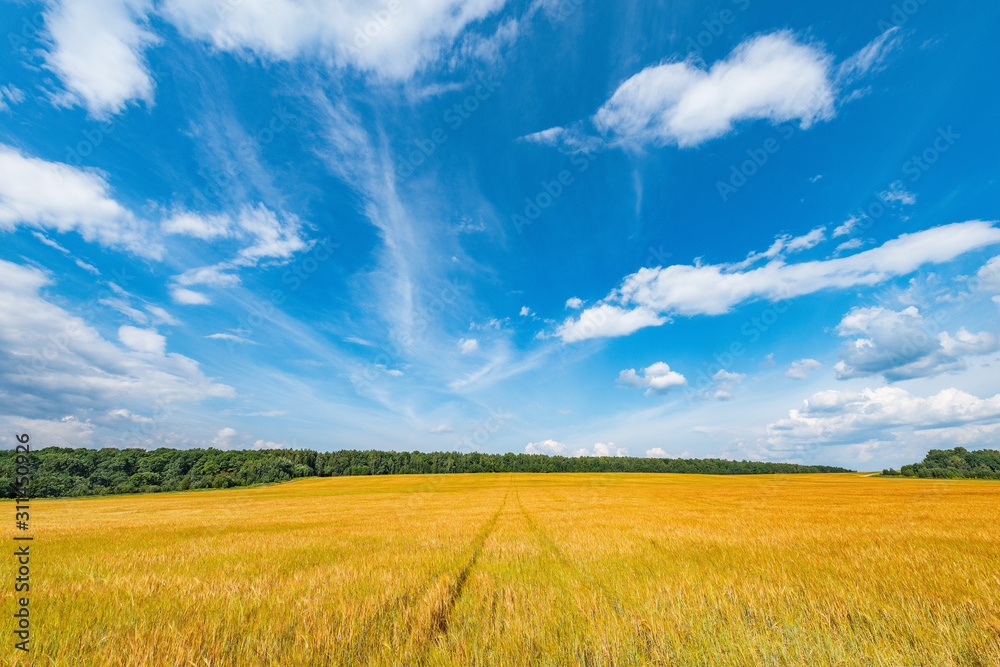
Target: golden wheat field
[{"x": 520, "y": 569}]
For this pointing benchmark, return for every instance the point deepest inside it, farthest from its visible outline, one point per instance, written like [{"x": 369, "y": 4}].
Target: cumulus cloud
[
  {"x": 550, "y": 447},
  {"x": 900, "y": 345},
  {"x": 41, "y": 194},
  {"x": 774, "y": 77},
  {"x": 656, "y": 378},
  {"x": 771, "y": 77},
  {"x": 468, "y": 345},
  {"x": 649, "y": 296},
  {"x": 601, "y": 449},
  {"x": 267, "y": 444},
  {"x": 364, "y": 34},
  {"x": 97, "y": 48},
  {"x": 442, "y": 428},
  {"x": 660, "y": 453},
  {"x": 882, "y": 414},
  {"x": 526, "y": 312},
  {"x": 723, "y": 384},
  {"x": 988, "y": 276},
  {"x": 574, "y": 303},
  {"x": 555, "y": 448},
  {"x": 53, "y": 362},
  {"x": 800, "y": 370},
  {"x": 607, "y": 320}
]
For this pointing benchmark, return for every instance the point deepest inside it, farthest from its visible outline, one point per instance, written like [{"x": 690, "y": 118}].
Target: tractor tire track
[
  {"x": 455, "y": 591},
  {"x": 549, "y": 545},
  {"x": 407, "y": 603}
]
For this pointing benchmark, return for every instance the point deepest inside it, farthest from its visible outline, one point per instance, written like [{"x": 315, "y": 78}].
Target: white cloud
[
  {"x": 143, "y": 340},
  {"x": 900, "y": 345},
  {"x": 52, "y": 361},
  {"x": 67, "y": 431},
  {"x": 554, "y": 448},
  {"x": 205, "y": 227},
  {"x": 267, "y": 444},
  {"x": 393, "y": 40},
  {"x": 76, "y": 260},
  {"x": 42, "y": 194},
  {"x": 660, "y": 453},
  {"x": 50, "y": 243},
  {"x": 601, "y": 449},
  {"x": 359, "y": 341},
  {"x": 213, "y": 276},
  {"x": 574, "y": 303},
  {"x": 122, "y": 307},
  {"x": 885, "y": 413},
  {"x": 869, "y": 59},
  {"x": 655, "y": 378},
  {"x": 648, "y": 296},
  {"x": 161, "y": 316},
  {"x": 771, "y": 77},
  {"x": 785, "y": 245},
  {"x": 550, "y": 447},
  {"x": 230, "y": 438},
  {"x": 847, "y": 226},
  {"x": 97, "y": 50},
  {"x": 567, "y": 140},
  {"x": 988, "y": 276},
  {"x": 442, "y": 428},
  {"x": 768, "y": 361},
  {"x": 273, "y": 237},
  {"x": 606, "y": 320},
  {"x": 526, "y": 312},
  {"x": 188, "y": 297},
  {"x": 90, "y": 268},
  {"x": 800, "y": 370},
  {"x": 9, "y": 95},
  {"x": 225, "y": 438},
  {"x": 896, "y": 193},
  {"x": 232, "y": 338},
  {"x": 848, "y": 245},
  {"x": 723, "y": 384},
  {"x": 468, "y": 345},
  {"x": 270, "y": 236}
]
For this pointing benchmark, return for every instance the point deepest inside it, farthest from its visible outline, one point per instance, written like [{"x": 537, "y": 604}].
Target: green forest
[
  {"x": 957, "y": 463},
  {"x": 60, "y": 472}
]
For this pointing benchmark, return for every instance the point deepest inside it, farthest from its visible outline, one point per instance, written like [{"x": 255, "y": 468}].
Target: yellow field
[{"x": 601, "y": 569}]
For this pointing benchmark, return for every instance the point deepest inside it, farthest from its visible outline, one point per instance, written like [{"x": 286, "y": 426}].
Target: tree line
[
  {"x": 62, "y": 471},
  {"x": 957, "y": 463}
]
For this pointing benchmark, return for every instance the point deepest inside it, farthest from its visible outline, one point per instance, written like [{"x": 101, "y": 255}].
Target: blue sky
[{"x": 653, "y": 229}]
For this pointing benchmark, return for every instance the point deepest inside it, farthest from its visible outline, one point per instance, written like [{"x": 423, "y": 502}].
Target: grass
[{"x": 591, "y": 569}]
